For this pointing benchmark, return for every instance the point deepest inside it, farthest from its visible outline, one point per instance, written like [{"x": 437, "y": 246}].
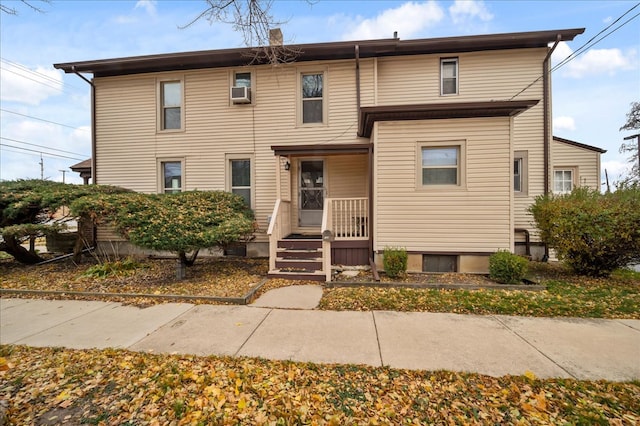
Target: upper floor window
[
  {"x": 312, "y": 98},
  {"x": 563, "y": 181},
  {"x": 171, "y": 101},
  {"x": 449, "y": 76},
  {"x": 441, "y": 165},
  {"x": 242, "y": 79},
  {"x": 171, "y": 176}
]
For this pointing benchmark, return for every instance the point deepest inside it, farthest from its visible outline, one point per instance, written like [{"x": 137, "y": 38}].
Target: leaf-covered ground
[
  {"x": 46, "y": 386},
  {"x": 566, "y": 295}
]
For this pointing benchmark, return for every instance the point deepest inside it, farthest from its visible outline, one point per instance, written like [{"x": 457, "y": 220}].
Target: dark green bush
[
  {"x": 395, "y": 261},
  {"x": 507, "y": 268},
  {"x": 593, "y": 233}
]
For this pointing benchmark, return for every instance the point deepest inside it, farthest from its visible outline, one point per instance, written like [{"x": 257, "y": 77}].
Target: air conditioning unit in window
[{"x": 240, "y": 95}]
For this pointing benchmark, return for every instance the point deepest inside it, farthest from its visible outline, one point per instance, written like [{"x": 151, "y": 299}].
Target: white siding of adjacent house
[{"x": 473, "y": 218}]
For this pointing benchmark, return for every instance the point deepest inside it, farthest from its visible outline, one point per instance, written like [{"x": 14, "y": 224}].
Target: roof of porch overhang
[
  {"x": 322, "y": 149},
  {"x": 369, "y": 115}
]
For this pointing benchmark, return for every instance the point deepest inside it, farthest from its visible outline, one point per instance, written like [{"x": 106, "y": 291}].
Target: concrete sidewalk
[{"x": 494, "y": 345}]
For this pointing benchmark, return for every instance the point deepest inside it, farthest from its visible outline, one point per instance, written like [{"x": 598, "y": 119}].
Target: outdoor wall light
[{"x": 287, "y": 165}]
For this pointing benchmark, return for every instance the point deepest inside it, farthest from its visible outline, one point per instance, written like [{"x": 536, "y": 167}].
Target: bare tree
[
  {"x": 14, "y": 11},
  {"x": 253, "y": 19},
  {"x": 633, "y": 123}
]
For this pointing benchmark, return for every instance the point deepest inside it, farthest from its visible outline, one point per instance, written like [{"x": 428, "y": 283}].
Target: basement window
[{"x": 439, "y": 263}]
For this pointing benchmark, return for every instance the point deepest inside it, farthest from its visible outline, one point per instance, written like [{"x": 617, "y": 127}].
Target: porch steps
[{"x": 299, "y": 259}]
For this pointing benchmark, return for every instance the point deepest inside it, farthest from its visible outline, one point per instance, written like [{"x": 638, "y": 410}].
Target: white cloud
[
  {"x": 594, "y": 61},
  {"x": 148, "y": 5},
  {"x": 462, "y": 11},
  {"x": 616, "y": 170},
  {"x": 563, "y": 123},
  {"x": 24, "y": 85},
  {"x": 408, "y": 19}
]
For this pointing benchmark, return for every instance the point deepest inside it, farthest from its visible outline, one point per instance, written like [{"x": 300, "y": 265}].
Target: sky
[{"x": 45, "y": 115}]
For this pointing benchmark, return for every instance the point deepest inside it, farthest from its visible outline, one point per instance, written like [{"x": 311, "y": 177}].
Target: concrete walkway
[{"x": 495, "y": 345}]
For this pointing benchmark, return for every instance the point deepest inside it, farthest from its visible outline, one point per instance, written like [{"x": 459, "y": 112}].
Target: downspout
[
  {"x": 546, "y": 106},
  {"x": 93, "y": 123},
  {"x": 547, "y": 138},
  {"x": 93, "y": 141}
]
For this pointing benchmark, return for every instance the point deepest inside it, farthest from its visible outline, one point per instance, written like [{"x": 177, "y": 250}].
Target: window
[
  {"x": 171, "y": 101},
  {"x": 562, "y": 181},
  {"x": 439, "y": 263},
  {"x": 242, "y": 79},
  {"x": 312, "y": 98},
  {"x": 240, "y": 178},
  {"x": 520, "y": 180},
  {"x": 171, "y": 177},
  {"x": 441, "y": 165},
  {"x": 449, "y": 76}
]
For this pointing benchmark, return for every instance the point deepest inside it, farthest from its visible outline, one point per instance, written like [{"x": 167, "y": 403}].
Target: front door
[{"x": 311, "y": 179}]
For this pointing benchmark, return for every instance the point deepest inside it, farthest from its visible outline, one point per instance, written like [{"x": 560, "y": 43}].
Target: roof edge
[{"x": 579, "y": 145}]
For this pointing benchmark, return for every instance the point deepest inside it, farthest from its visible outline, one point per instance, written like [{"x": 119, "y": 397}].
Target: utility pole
[
  {"x": 63, "y": 172},
  {"x": 41, "y": 167}
]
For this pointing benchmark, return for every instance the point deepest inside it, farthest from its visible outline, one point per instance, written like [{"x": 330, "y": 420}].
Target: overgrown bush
[
  {"x": 395, "y": 261},
  {"x": 592, "y": 233},
  {"x": 507, "y": 268}
]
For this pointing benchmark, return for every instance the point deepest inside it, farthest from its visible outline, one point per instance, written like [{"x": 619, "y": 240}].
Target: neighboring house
[
  {"x": 84, "y": 169},
  {"x": 369, "y": 144}
]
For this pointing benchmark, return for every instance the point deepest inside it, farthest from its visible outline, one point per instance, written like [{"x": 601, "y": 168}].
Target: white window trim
[
  {"x": 160, "y": 168},
  {"x": 575, "y": 180},
  {"x": 232, "y": 82},
  {"x": 228, "y": 171},
  {"x": 160, "y": 107},
  {"x": 524, "y": 174},
  {"x": 325, "y": 96},
  {"x": 462, "y": 165},
  {"x": 457, "y": 61}
]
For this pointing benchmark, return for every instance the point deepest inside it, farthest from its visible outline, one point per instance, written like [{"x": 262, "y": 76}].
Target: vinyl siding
[
  {"x": 472, "y": 218},
  {"x": 130, "y": 147},
  {"x": 586, "y": 163}
]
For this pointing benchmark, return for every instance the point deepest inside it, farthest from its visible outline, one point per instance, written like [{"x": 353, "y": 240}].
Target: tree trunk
[
  {"x": 77, "y": 248},
  {"x": 19, "y": 253}
]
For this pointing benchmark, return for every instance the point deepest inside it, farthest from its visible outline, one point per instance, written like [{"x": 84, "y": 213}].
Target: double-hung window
[
  {"x": 517, "y": 174},
  {"x": 171, "y": 176},
  {"x": 171, "y": 105},
  {"x": 441, "y": 165},
  {"x": 312, "y": 88},
  {"x": 240, "y": 178},
  {"x": 520, "y": 179},
  {"x": 563, "y": 181},
  {"x": 449, "y": 76}
]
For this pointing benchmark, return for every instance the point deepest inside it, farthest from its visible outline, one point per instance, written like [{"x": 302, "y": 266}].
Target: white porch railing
[
  {"x": 279, "y": 227},
  {"x": 343, "y": 219}
]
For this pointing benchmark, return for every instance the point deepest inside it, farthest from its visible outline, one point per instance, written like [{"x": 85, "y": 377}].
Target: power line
[
  {"x": 40, "y": 152},
  {"x": 33, "y": 79},
  {"x": 42, "y": 119},
  {"x": 40, "y": 146},
  {"x": 585, "y": 47},
  {"x": 36, "y": 73}
]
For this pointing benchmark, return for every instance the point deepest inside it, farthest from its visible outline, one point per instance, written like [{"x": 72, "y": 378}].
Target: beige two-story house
[{"x": 435, "y": 145}]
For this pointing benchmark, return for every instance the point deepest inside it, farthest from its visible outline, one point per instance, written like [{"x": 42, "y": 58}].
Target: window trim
[
  {"x": 456, "y": 60},
  {"x": 228, "y": 171},
  {"x": 325, "y": 97},
  {"x": 524, "y": 174},
  {"x": 160, "y": 167},
  {"x": 160, "y": 104},
  {"x": 232, "y": 83},
  {"x": 574, "y": 177},
  {"x": 460, "y": 144}
]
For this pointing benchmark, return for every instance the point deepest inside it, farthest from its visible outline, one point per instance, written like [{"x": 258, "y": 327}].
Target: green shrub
[
  {"x": 116, "y": 268},
  {"x": 507, "y": 268},
  {"x": 395, "y": 261},
  {"x": 593, "y": 233}
]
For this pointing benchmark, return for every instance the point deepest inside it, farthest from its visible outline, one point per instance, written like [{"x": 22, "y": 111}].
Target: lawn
[
  {"x": 566, "y": 294},
  {"x": 47, "y": 386}
]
